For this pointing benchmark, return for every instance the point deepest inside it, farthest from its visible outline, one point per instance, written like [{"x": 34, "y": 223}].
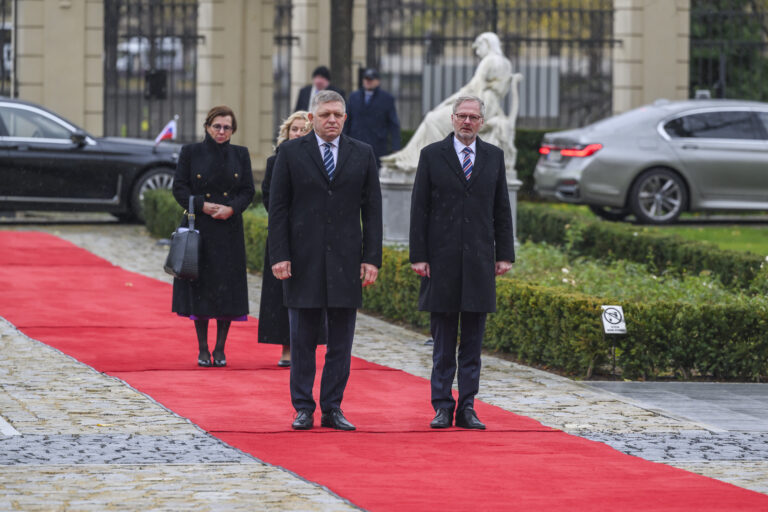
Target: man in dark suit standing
[
  {"x": 321, "y": 81},
  {"x": 460, "y": 238},
  {"x": 372, "y": 116},
  {"x": 324, "y": 186}
]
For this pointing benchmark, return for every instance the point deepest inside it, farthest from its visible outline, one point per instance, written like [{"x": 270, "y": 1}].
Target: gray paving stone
[{"x": 117, "y": 449}]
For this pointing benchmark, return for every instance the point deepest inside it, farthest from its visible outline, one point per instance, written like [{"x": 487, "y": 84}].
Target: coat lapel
[
  {"x": 345, "y": 149},
  {"x": 314, "y": 151},
  {"x": 481, "y": 157},
  {"x": 449, "y": 154}
]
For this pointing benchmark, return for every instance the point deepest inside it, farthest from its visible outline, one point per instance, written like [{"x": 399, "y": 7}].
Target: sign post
[{"x": 613, "y": 324}]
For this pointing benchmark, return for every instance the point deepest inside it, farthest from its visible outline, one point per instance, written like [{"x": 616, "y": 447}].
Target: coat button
[
  {"x": 328, "y": 248},
  {"x": 328, "y": 221},
  {"x": 466, "y": 220},
  {"x": 330, "y": 192},
  {"x": 199, "y": 176},
  {"x": 207, "y": 196},
  {"x": 225, "y": 194}
]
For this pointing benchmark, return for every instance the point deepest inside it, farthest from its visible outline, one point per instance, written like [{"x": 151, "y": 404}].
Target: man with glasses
[{"x": 460, "y": 238}]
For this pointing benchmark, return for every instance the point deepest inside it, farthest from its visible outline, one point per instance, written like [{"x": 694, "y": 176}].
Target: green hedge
[
  {"x": 162, "y": 213},
  {"x": 527, "y": 143},
  {"x": 594, "y": 238},
  {"x": 561, "y": 330}
]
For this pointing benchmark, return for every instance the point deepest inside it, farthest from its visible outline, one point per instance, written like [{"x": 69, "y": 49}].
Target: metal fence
[
  {"x": 150, "y": 66},
  {"x": 729, "y": 48},
  {"x": 563, "y": 48}
]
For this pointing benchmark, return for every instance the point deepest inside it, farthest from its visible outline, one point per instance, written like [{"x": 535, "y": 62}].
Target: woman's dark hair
[{"x": 221, "y": 110}]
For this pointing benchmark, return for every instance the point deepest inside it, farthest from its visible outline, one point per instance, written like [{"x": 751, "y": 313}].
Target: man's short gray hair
[
  {"x": 463, "y": 99},
  {"x": 326, "y": 96}
]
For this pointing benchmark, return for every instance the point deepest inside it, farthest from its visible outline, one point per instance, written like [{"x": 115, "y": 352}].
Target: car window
[
  {"x": 738, "y": 124},
  {"x": 763, "y": 116},
  {"x": 28, "y": 124}
]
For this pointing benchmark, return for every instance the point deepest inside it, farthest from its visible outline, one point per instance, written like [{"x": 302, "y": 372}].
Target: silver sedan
[{"x": 660, "y": 160}]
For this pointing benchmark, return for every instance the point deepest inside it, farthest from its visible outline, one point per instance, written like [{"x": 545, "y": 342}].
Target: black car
[{"x": 48, "y": 163}]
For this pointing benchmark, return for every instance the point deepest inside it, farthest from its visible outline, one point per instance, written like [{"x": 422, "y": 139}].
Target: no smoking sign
[{"x": 613, "y": 320}]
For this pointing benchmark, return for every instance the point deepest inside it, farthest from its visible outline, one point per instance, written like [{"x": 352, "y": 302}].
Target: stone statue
[{"x": 492, "y": 80}]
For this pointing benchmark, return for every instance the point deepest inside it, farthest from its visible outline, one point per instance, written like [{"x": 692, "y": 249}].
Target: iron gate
[
  {"x": 423, "y": 50},
  {"x": 150, "y": 67},
  {"x": 728, "y": 49}
]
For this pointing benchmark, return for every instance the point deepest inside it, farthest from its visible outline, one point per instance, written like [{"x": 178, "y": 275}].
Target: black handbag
[{"x": 183, "y": 261}]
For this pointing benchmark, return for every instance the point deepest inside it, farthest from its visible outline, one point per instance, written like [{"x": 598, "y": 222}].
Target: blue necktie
[
  {"x": 466, "y": 164},
  {"x": 328, "y": 159}
]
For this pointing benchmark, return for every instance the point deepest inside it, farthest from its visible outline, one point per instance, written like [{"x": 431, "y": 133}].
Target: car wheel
[
  {"x": 153, "y": 180},
  {"x": 609, "y": 212},
  {"x": 658, "y": 196}
]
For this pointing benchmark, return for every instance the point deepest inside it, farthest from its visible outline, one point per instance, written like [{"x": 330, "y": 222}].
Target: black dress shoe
[
  {"x": 304, "y": 420},
  {"x": 467, "y": 418},
  {"x": 335, "y": 419},
  {"x": 284, "y": 363},
  {"x": 443, "y": 419},
  {"x": 219, "y": 362}
]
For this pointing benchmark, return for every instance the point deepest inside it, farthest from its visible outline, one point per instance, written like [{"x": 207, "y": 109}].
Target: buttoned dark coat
[
  {"x": 461, "y": 228},
  {"x": 325, "y": 228},
  {"x": 375, "y": 123},
  {"x": 217, "y": 173}
]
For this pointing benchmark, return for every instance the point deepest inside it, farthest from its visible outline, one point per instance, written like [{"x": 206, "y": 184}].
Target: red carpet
[{"x": 99, "y": 314}]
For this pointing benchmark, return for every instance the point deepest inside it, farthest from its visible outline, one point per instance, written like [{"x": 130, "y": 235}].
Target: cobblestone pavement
[{"x": 67, "y": 412}]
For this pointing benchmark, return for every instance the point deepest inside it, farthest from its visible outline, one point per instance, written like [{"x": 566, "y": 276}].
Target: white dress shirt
[
  {"x": 459, "y": 147},
  {"x": 334, "y": 148}
]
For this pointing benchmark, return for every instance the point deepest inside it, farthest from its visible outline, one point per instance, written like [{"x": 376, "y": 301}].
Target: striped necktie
[
  {"x": 328, "y": 159},
  {"x": 466, "y": 163}
]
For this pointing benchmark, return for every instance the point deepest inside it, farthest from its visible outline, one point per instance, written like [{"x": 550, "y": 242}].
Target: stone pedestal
[{"x": 396, "y": 208}]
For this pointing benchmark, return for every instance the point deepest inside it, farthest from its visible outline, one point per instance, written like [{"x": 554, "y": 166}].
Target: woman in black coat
[
  {"x": 218, "y": 175},
  {"x": 273, "y": 315}
]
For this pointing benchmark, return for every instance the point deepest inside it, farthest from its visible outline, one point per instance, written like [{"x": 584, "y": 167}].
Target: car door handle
[{"x": 690, "y": 146}]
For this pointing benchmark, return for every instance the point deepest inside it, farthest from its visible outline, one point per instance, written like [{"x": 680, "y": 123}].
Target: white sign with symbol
[{"x": 613, "y": 320}]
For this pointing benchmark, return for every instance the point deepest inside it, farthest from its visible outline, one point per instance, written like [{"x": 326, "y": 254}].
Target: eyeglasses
[
  {"x": 472, "y": 117},
  {"x": 221, "y": 128}
]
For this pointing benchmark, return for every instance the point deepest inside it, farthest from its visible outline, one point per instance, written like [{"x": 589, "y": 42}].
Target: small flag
[{"x": 168, "y": 132}]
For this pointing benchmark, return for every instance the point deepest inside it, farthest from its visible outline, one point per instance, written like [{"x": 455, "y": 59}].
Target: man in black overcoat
[
  {"x": 325, "y": 231},
  {"x": 461, "y": 238},
  {"x": 321, "y": 81},
  {"x": 373, "y": 117}
]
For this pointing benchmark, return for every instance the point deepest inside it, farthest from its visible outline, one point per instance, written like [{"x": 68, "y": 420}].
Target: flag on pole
[{"x": 168, "y": 132}]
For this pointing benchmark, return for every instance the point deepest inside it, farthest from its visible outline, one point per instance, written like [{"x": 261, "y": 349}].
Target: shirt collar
[
  {"x": 320, "y": 141},
  {"x": 459, "y": 146}
]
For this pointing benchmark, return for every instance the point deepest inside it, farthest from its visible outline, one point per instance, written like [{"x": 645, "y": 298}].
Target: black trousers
[
  {"x": 340, "y": 326},
  {"x": 445, "y": 333}
]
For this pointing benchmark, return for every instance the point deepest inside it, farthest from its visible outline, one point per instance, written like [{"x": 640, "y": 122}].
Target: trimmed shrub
[
  {"x": 590, "y": 237},
  {"x": 527, "y": 143},
  {"x": 162, "y": 213}
]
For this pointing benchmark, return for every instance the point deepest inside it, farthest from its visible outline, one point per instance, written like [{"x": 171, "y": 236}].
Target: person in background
[
  {"x": 273, "y": 315},
  {"x": 372, "y": 117},
  {"x": 461, "y": 238},
  {"x": 218, "y": 175},
  {"x": 321, "y": 81}
]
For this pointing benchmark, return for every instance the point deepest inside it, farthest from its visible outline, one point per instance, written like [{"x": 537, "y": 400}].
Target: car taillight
[{"x": 578, "y": 152}]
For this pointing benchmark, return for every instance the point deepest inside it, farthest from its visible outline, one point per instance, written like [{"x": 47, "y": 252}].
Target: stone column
[
  {"x": 653, "y": 58},
  {"x": 60, "y": 58},
  {"x": 235, "y": 69}
]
